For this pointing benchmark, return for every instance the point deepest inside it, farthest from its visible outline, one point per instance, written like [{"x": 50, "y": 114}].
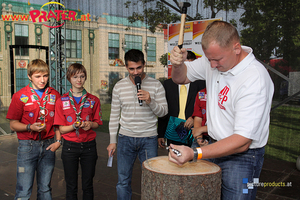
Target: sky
[{"x": 116, "y": 7}]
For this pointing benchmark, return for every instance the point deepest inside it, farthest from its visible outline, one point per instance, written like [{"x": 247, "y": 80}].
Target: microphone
[{"x": 138, "y": 83}]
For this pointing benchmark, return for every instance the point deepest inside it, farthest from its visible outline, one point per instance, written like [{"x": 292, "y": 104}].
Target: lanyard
[
  {"x": 44, "y": 101},
  {"x": 84, "y": 94}
]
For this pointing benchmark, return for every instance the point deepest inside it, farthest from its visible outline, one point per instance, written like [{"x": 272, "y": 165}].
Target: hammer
[{"x": 183, "y": 6}]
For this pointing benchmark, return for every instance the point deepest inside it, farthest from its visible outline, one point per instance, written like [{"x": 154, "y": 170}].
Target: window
[
  {"x": 21, "y": 38},
  {"x": 133, "y": 42},
  {"x": 73, "y": 43},
  {"x": 151, "y": 49},
  {"x": 151, "y": 74},
  {"x": 113, "y": 45}
]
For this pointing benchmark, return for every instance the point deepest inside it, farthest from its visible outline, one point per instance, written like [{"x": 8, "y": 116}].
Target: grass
[
  {"x": 284, "y": 138},
  {"x": 105, "y": 108}
]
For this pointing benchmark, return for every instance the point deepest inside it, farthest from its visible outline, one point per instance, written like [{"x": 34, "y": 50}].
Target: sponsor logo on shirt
[
  {"x": 223, "y": 97},
  {"x": 66, "y": 104},
  {"x": 86, "y": 104},
  {"x": 52, "y": 98},
  {"x": 69, "y": 119},
  {"x": 202, "y": 96},
  {"x": 65, "y": 98},
  {"x": 24, "y": 98},
  {"x": 92, "y": 104}
]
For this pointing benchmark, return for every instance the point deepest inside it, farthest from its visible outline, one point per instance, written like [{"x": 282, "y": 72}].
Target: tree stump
[{"x": 162, "y": 179}]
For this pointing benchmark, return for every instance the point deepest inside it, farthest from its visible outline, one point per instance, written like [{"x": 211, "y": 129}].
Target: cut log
[{"x": 162, "y": 179}]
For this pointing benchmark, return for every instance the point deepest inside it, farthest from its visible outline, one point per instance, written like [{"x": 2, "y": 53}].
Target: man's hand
[
  {"x": 189, "y": 123},
  {"x": 187, "y": 154},
  {"x": 178, "y": 56},
  {"x": 53, "y": 147},
  {"x": 111, "y": 149},
  {"x": 201, "y": 142},
  {"x": 197, "y": 131},
  {"x": 144, "y": 96},
  {"x": 161, "y": 142},
  {"x": 37, "y": 127}
]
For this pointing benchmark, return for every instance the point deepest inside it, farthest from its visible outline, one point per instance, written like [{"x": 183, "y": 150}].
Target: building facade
[{"x": 99, "y": 43}]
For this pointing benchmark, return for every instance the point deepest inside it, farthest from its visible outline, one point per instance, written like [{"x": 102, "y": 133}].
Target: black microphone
[{"x": 138, "y": 83}]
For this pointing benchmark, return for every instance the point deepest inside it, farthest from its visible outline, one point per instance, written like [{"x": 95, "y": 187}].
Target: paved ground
[{"x": 274, "y": 171}]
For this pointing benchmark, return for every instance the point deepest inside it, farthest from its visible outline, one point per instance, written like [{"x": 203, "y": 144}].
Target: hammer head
[{"x": 184, "y": 6}]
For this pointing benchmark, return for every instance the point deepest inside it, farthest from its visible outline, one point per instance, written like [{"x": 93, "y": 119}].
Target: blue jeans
[
  {"x": 128, "y": 149},
  {"x": 237, "y": 167},
  {"x": 33, "y": 157},
  {"x": 84, "y": 153}
]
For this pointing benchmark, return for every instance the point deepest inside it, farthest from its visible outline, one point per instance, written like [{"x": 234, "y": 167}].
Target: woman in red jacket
[{"x": 77, "y": 113}]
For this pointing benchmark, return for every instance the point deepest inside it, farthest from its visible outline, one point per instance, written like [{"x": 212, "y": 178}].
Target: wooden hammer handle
[{"x": 181, "y": 31}]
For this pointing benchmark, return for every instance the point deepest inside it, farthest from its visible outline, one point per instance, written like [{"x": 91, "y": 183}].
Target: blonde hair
[
  {"x": 74, "y": 69},
  {"x": 220, "y": 32},
  {"x": 37, "y": 65}
]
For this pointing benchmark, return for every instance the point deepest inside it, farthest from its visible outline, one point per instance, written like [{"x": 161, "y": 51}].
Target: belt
[
  {"x": 81, "y": 144},
  {"x": 212, "y": 140}
]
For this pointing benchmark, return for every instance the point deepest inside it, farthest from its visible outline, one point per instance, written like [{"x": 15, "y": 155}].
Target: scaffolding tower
[{"x": 57, "y": 50}]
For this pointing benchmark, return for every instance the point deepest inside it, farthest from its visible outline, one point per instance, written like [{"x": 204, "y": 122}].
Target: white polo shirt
[{"x": 239, "y": 100}]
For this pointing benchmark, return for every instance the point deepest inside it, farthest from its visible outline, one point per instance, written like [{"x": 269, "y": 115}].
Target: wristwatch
[{"x": 59, "y": 141}]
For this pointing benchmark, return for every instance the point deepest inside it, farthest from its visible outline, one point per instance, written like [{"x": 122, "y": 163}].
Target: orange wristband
[{"x": 199, "y": 153}]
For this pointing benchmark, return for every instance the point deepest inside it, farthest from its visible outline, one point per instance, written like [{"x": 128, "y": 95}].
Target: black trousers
[{"x": 86, "y": 154}]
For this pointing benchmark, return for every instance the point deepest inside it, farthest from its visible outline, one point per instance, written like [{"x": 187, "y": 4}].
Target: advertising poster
[{"x": 192, "y": 37}]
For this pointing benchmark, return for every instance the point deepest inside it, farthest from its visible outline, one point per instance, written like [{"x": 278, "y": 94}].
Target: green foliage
[
  {"x": 218, "y": 5},
  {"x": 164, "y": 59},
  {"x": 161, "y": 14},
  {"x": 162, "y": 80},
  {"x": 153, "y": 16},
  {"x": 272, "y": 25}
]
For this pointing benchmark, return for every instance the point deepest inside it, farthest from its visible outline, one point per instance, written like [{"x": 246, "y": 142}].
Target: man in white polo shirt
[{"x": 239, "y": 97}]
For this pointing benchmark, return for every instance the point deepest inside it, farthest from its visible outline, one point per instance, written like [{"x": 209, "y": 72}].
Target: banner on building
[{"x": 193, "y": 32}]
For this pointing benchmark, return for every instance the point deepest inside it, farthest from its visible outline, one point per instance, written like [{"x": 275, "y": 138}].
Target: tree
[
  {"x": 217, "y": 5},
  {"x": 164, "y": 59},
  {"x": 272, "y": 25},
  {"x": 161, "y": 14}
]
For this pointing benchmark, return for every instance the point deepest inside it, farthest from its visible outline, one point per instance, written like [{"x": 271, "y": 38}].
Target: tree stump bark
[{"x": 162, "y": 179}]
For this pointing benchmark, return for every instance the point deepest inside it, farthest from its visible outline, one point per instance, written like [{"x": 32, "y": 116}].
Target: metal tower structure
[{"x": 57, "y": 50}]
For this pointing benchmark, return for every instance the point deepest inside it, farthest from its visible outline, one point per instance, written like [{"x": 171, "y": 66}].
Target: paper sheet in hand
[{"x": 109, "y": 162}]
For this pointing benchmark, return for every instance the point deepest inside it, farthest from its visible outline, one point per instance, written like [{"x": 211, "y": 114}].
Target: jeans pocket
[
  {"x": 25, "y": 148},
  {"x": 121, "y": 135}
]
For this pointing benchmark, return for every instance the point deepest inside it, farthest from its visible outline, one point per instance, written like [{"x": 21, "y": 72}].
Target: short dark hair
[
  {"x": 134, "y": 55},
  {"x": 75, "y": 68},
  {"x": 191, "y": 55}
]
